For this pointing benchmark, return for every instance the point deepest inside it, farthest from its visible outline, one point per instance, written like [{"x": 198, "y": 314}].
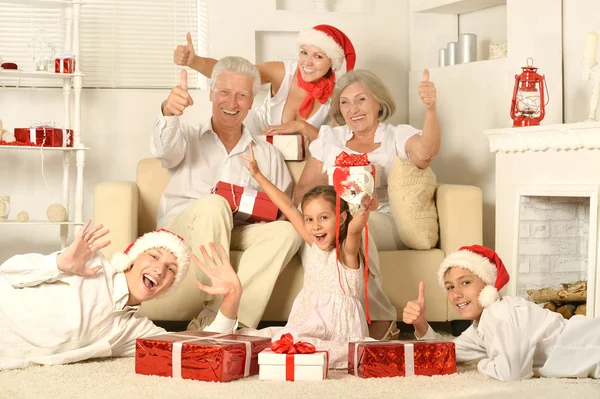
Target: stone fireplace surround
[{"x": 546, "y": 161}]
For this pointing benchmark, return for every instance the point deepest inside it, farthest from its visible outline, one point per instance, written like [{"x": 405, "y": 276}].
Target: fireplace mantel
[
  {"x": 546, "y": 161},
  {"x": 563, "y": 137}
]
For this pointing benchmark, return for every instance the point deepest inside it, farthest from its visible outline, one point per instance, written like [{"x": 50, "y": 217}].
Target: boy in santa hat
[
  {"x": 75, "y": 304},
  {"x": 514, "y": 338},
  {"x": 299, "y": 96}
]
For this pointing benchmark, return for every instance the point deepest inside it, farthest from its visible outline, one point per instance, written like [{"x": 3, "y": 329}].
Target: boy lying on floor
[
  {"x": 514, "y": 338},
  {"x": 75, "y": 304}
]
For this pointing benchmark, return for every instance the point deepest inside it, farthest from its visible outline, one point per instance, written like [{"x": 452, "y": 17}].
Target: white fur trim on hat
[
  {"x": 477, "y": 264},
  {"x": 121, "y": 262},
  {"x": 488, "y": 295},
  {"x": 322, "y": 40}
]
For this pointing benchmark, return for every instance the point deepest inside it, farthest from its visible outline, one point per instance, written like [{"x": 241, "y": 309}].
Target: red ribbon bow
[
  {"x": 345, "y": 159},
  {"x": 286, "y": 345}
]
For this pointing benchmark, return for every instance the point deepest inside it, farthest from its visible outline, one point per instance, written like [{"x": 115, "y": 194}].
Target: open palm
[
  {"x": 73, "y": 259},
  {"x": 224, "y": 280}
]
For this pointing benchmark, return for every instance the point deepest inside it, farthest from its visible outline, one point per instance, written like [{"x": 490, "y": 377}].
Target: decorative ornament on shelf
[
  {"x": 4, "y": 207},
  {"x": 56, "y": 213},
  {"x": 22, "y": 216},
  {"x": 5, "y": 136},
  {"x": 320, "y": 6},
  {"x": 41, "y": 51},
  {"x": 591, "y": 72},
  {"x": 528, "y": 106}
]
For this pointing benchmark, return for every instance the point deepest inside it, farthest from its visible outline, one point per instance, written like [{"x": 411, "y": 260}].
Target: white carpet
[{"x": 116, "y": 379}]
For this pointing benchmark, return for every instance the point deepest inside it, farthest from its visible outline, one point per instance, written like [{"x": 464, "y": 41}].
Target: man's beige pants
[{"x": 267, "y": 249}]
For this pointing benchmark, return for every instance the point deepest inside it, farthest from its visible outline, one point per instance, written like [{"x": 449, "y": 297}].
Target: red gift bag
[
  {"x": 247, "y": 204},
  {"x": 199, "y": 355},
  {"x": 371, "y": 359}
]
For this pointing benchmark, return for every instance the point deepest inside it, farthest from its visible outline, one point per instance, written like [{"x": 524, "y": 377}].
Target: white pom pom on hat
[
  {"x": 484, "y": 263},
  {"x": 162, "y": 238}
]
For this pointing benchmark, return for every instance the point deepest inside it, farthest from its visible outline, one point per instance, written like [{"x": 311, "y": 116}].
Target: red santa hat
[
  {"x": 160, "y": 238},
  {"x": 485, "y": 264},
  {"x": 332, "y": 42}
]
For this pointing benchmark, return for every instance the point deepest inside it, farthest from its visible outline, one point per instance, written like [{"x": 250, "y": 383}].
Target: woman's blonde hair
[{"x": 372, "y": 83}]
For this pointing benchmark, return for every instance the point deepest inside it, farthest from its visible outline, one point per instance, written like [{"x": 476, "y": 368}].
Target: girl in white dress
[
  {"x": 328, "y": 311},
  {"x": 514, "y": 338},
  {"x": 299, "y": 97}
]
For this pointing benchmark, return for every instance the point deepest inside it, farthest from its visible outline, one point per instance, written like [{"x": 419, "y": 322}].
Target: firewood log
[
  {"x": 567, "y": 292},
  {"x": 567, "y": 311},
  {"x": 550, "y": 306},
  {"x": 580, "y": 309}
]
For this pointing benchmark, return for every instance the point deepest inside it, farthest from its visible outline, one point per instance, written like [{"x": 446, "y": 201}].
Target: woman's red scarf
[{"x": 315, "y": 91}]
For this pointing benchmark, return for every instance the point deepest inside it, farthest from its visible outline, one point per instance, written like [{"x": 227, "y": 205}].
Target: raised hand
[
  {"x": 252, "y": 165},
  {"x": 218, "y": 269},
  {"x": 414, "y": 311},
  {"x": 73, "y": 259},
  {"x": 179, "y": 98},
  {"x": 183, "y": 55},
  {"x": 427, "y": 92}
]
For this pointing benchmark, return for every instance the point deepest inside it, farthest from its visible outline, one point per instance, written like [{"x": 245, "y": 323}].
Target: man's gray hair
[
  {"x": 371, "y": 83},
  {"x": 238, "y": 65}
]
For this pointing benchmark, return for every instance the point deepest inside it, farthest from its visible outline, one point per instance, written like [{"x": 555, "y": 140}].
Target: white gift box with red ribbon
[
  {"x": 293, "y": 147},
  {"x": 292, "y": 367}
]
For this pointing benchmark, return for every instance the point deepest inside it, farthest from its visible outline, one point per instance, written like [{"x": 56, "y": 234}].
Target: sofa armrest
[
  {"x": 116, "y": 207},
  {"x": 460, "y": 213}
]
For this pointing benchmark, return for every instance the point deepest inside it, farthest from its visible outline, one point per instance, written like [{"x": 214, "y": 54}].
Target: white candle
[{"x": 591, "y": 45}]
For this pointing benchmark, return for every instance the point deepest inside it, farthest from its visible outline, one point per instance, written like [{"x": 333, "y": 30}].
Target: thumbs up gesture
[
  {"x": 184, "y": 54},
  {"x": 414, "y": 311},
  {"x": 427, "y": 92},
  {"x": 179, "y": 98}
]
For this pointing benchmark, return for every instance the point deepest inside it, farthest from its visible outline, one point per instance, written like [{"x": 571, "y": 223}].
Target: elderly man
[{"x": 199, "y": 156}]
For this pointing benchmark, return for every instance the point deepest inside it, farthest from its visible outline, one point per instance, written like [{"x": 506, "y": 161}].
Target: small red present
[
  {"x": 64, "y": 63},
  {"x": 247, "y": 204},
  {"x": 199, "y": 355},
  {"x": 370, "y": 359},
  {"x": 45, "y": 136}
]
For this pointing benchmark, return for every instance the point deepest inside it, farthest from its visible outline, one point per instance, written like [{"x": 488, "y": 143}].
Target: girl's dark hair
[{"x": 328, "y": 194}]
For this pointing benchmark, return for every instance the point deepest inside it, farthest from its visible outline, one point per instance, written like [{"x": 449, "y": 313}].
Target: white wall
[
  {"x": 476, "y": 96},
  {"x": 116, "y": 123},
  {"x": 579, "y": 18}
]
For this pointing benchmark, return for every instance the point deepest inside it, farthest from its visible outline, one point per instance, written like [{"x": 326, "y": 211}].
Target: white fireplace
[{"x": 547, "y": 188}]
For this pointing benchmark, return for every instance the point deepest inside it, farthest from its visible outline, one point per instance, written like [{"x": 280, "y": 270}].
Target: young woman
[{"x": 299, "y": 98}]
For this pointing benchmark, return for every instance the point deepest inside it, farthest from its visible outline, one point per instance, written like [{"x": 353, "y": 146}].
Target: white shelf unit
[
  {"x": 72, "y": 85},
  {"x": 435, "y": 23},
  {"x": 454, "y": 7}
]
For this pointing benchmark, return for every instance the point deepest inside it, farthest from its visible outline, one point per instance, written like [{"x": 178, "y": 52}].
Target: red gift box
[
  {"x": 247, "y": 204},
  {"x": 199, "y": 355},
  {"x": 64, "y": 63},
  {"x": 371, "y": 359},
  {"x": 45, "y": 136}
]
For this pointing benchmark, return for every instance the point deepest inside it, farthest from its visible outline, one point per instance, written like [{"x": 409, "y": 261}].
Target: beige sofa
[{"x": 129, "y": 210}]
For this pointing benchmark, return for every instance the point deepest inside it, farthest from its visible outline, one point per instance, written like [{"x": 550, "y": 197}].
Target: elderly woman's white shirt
[
  {"x": 49, "y": 317},
  {"x": 332, "y": 141}
]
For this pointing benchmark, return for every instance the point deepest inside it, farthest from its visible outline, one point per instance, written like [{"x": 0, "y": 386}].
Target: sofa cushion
[{"x": 411, "y": 193}]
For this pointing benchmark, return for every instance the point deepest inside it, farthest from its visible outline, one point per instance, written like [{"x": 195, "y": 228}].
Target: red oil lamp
[{"x": 528, "y": 107}]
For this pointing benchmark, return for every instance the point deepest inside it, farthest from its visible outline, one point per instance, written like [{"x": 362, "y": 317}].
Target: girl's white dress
[{"x": 324, "y": 314}]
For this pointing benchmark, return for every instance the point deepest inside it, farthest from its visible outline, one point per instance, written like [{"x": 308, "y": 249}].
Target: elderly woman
[
  {"x": 299, "y": 97},
  {"x": 360, "y": 105}
]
